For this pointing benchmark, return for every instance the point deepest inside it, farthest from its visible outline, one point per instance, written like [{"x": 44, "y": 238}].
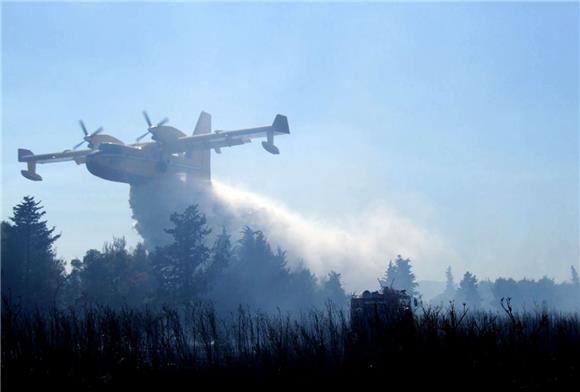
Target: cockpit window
[{"x": 110, "y": 147}]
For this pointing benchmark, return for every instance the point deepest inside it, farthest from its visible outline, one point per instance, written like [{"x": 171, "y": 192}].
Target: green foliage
[
  {"x": 31, "y": 273},
  {"x": 178, "y": 267},
  {"x": 114, "y": 276},
  {"x": 221, "y": 254},
  {"x": 189, "y": 270},
  {"x": 259, "y": 277}
]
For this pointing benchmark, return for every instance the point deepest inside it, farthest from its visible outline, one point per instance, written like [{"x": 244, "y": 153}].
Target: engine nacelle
[{"x": 271, "y": 148}]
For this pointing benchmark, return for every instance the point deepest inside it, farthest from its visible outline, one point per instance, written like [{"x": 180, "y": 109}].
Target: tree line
[
  {"x": 194, "y": 267},
  {"x": 200, "y": 266},
  {"x": 525, "y": 294}
]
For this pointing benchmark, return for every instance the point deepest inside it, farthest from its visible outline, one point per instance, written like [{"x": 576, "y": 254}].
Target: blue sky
[{"x": 462, "y": 117}]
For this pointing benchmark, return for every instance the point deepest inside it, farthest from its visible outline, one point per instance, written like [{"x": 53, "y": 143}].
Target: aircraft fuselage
[{"x": 120, "y": 163}]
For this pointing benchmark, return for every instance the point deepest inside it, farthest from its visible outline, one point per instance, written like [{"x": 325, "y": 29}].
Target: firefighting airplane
[{"x": 170, "y": 152}]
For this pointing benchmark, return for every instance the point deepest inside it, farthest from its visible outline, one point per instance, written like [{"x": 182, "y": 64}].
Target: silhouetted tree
[
  {"x": 571, "y": 295},
  {"x": 258, "y": 276},
  {"x": 31, "y": 272},
  {"x": 178, "y": 267},
  {"x": 332, "y": 289},
  {"x": 221, "y": 254},
  {"x": 574, "y": 276},
  {"x": 400, "y": 277},
  {"x": 390, "y": 275},
  {"x": 114, "y": 276},
  {"x": 449, "y": 293},
  {"x": 449, "y": 282},
  {"x": 300, "y": 291},
  {"x": 73, "y": 286},
  {"x": 467, "y": 292},
  {"x": 261, "y": 275},
  {"x": 506, "y": 288}
]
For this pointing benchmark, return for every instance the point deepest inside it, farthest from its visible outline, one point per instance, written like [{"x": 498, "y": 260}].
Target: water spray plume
[{"x": 356, "y": 246}]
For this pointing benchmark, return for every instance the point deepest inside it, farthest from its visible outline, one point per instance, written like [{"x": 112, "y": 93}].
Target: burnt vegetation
[{"x": 207, "y": 310}]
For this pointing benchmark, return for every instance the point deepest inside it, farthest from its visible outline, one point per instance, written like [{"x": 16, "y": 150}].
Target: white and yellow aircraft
[{"x": 170, "y": 152}]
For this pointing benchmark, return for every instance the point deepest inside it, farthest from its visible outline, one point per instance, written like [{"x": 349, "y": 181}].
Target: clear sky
[{"x": 463, "y": 118}]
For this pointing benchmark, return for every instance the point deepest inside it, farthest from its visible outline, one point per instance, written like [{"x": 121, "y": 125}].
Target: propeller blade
[
  {"x": 78, "y": 145},
  {"x": 164, "y": 121},
  {"x": 97, "y": 131},
  {"x": 142, "y": 136},
  {"x": 82, "y": 124},
  {"x": 149, "y": 123}
]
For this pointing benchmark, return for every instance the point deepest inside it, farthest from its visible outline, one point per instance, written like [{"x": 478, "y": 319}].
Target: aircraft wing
[
  {"x": 219, "y": 139},
  {"x": 31, "y": 159}
]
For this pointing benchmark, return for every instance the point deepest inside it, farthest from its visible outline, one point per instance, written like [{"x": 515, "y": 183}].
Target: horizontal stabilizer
[{"x": 280, "y": 124}]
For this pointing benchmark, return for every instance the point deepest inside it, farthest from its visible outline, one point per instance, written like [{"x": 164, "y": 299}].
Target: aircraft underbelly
[{"x": 122, "y": 168}]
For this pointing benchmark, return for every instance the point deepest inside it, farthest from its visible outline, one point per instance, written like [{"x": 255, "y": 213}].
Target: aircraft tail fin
[
  {"x": 201, "y": 159},
  {"x": 23, "y": 154},
  {"x": 203, "y": 125},
  {"x": 280, "y": 124}
]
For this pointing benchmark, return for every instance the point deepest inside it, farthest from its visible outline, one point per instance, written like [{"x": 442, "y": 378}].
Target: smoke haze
[{"x": 357, "y": 246}]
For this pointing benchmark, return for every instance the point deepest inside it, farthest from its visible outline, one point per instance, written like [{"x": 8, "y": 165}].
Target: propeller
[
  {"x": 150, "y": 124},
  {"x": 88, "y": 137}
]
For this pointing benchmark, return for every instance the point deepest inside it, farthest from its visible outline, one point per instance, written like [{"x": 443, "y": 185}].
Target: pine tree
[
  {"x": 450, "y": 283},
  {"x": 448, "y": 294},
  {"x": 400, "y": 277},
  {"x": 389, "y": 277},
  {"x": 574, "y": 276},
  {"x": 177, "y": 266},
  {"x": 468, "y": 291},
  {"x": 113, "y": 276},
  {"x": 31, "y": 273},
  {"x": 332, "y": 290},
  {"x": 259, "y": 276},
  {"x": 571, "y": 294},
  {"x": 221, "y": 254}
]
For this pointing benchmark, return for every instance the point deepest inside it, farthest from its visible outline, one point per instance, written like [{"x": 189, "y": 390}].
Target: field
[{"x": 99, "y": 348}]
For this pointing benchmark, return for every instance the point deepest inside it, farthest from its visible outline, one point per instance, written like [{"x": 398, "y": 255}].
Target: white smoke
[{"x": 357, "y": 246}]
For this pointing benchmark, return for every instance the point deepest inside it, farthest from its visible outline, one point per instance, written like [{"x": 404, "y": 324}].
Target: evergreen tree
[
  {"x": 259, "y": 277},
  {"x": 467, "y": 292},
  {"x": 400, "y": 277},
  {"x": 114, "y": 276},
  {"x": 506, "y": 288},
  {"x": 263, "y": 276},
  {"x": 389, "y": 277},
  {"x": 574, "y": 276},
  {"x": 448, "y": 294},
  {"x": 178, "y": 267},
  {"x": 72, "y": 289},
  {"x": 300, "y": 291},
  {"x": 571, "y": 292},
  {"x": 31, "y": 273},
  {"x": 332, "y": 290},
  {"x": 221, "y": 254},
  {"x": 449, "y": 283}
]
